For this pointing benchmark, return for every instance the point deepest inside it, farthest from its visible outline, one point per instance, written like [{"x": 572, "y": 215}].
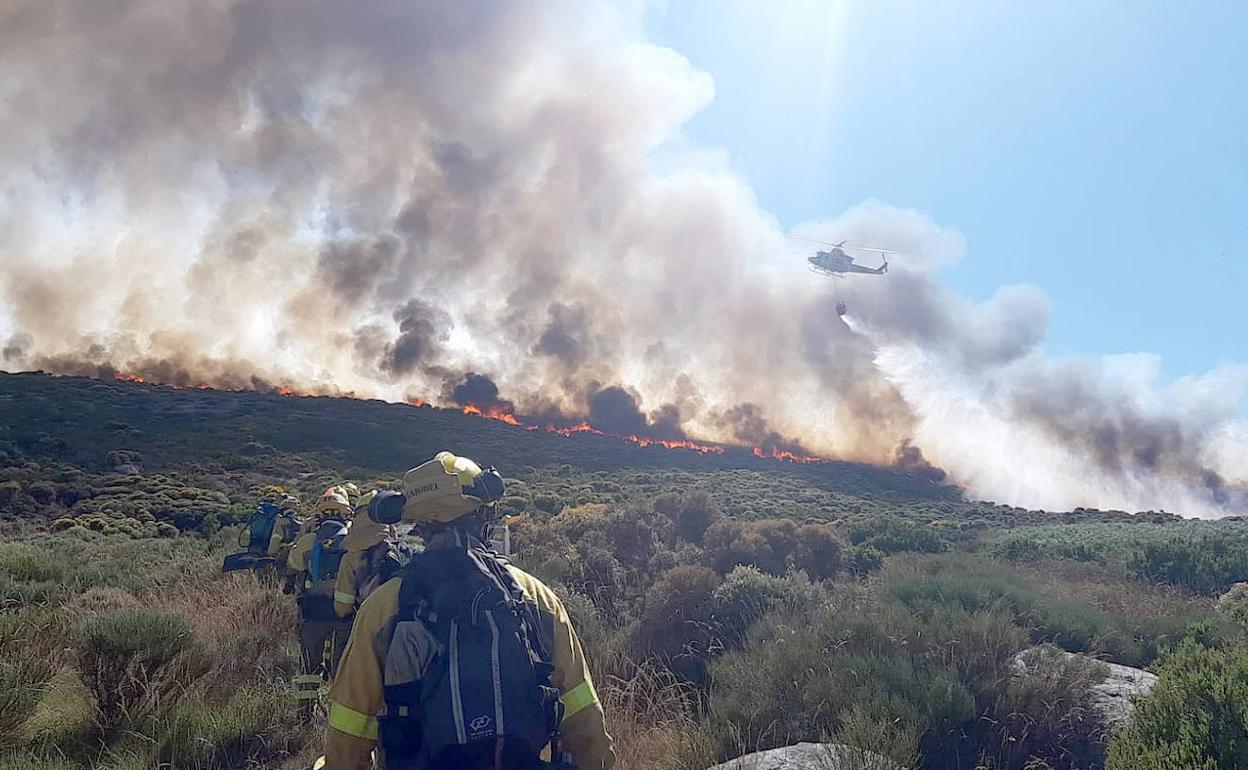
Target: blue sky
[{"x": 1098, "y": 150}]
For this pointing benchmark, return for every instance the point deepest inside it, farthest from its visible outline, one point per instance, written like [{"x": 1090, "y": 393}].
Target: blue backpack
[
  {"x": 260, "y": 528},
  {"x": 326, "y": 556}
]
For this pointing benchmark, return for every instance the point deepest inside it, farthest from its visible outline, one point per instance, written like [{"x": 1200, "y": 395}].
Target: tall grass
[{"x": 140, "y": 655}]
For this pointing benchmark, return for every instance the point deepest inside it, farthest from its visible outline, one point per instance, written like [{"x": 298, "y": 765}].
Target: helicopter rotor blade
[
  {"x": 841, "y": 245},
  {"x": 869, "y": 248},
  {"x": 810, "y": 240}
]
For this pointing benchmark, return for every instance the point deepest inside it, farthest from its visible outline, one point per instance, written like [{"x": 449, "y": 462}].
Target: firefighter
[
  {"x": 373, "y": 556},
  {"x": 313, "y": 566},
  {"x": 463, "y": 660}
]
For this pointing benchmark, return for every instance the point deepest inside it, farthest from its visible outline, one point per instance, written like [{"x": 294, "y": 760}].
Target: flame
[
  {"x": 493, "y": 412},
  {"x": 580, "y": 427},
  {"x": 695, "y": 446},
  {"x": 786, "y": 455},
  {"x": 503, "y": 415}
]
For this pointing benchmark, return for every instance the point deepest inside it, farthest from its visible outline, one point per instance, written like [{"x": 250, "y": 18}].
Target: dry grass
[{"x": 651, "y": 716}]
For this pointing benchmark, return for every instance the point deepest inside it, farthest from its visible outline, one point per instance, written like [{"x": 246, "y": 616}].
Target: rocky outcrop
[
  {"x": 810, "y": 756},
  {"x": 1113, "y": 698}
]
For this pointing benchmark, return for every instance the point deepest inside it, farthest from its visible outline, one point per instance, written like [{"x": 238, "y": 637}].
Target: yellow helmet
[
  {"x": 352, "y": 491},
  {"x": 446, "y": 488},
  {"x": 333, "y": 500},
  {"x": 363, "y": 500}
]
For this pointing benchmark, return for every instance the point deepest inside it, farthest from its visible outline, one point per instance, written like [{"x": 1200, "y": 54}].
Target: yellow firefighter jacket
[
  {"x": 356, "y": 694},
  {"x": 301, "y": 551},
  {"x": 354, "y": 568}
]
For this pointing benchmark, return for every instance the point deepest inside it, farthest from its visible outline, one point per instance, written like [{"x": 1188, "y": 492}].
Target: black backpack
[
  {"x": 479, "y": 696},
  {"x": 382, "y": 562}
]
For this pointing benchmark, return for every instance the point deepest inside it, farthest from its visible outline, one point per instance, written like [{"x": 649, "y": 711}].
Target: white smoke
[{"x": 383, "y": 196}]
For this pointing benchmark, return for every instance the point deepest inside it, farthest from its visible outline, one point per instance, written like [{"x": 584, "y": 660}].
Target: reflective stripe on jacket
[{"x": 356, "y": 695}]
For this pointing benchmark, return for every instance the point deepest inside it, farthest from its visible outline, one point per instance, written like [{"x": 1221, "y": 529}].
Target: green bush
[
  {"x": 894, "y": 535},
  {"x": 1196, "y": 718},
  {"x": 1207, "y": 565},
  {"x": 121, "y": 653},
  {"x": 766, "y": 544},
  {"x": 973, "y": 585},
  {"x": 694, "y": 513},
  {"x": 1234, "y": 605},
  {"x": 748, "y": 594},
  {"x": 801, "y": 675},
  {"x": 25, "y": 562}
]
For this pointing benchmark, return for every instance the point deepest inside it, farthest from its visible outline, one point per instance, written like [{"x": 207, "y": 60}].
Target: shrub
[
  {"x": 766, "y": 544},
  {"x": 694, "y": 514},
  {"x": 64, "y": 713},
  {"x": 892, "y": 535},
  {"x": 865, "y": 558},
  {"x": 819, "y": 552},
  {"x": 677, "y": 611},
  {"x": 748, "y": 594},
  {"x": 801, "y": 675},
  {"x": 972, "y": 585},
  {"x": 1206, "y": 565},
  {"x": 1234, "y": 604},
  {"x": 39, "y": 760},
  {"x": 633, "y": 533},
  {"x": 1047, "y": 715},
  {"x": 27, "y": 562},
  {"x": 121, "y": 653},
  {"x": 1196, "y": 718},
  {"x": 548, "y": 503}
]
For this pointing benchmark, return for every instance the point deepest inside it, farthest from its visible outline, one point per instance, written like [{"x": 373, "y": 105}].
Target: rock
[
  {"x": 1113, "y": 698},
  {"x": 809, "y": 756}
]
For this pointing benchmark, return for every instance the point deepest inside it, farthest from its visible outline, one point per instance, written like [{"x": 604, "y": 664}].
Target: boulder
[
  {"x": 810, "y": 756},
  {"x": 1113, "y": 698}
]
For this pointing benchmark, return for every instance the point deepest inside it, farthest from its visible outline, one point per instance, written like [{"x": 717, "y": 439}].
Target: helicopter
[{"x": 835, "y": 263}]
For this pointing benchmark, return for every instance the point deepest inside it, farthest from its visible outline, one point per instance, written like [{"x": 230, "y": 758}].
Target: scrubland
[{"x": 728, "y": 604}]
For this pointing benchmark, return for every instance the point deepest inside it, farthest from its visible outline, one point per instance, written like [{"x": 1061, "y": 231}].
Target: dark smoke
[
  {"x": 910, "y": 461},
  {"x": 615, "y": 410},
  {"x": 421, "y": 328},
  {"x": 15, "y": 347},
  {"x": 475, "y": 390},
  {"x": 748, "y": 426},
  {"x": 352, "y": 269},
  {"x": 567, "y": 335}
]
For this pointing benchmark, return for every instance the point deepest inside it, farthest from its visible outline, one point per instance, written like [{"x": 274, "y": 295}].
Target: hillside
[
  {"x": 729, "y": 603},
  {"x": 93, "y": 430}
]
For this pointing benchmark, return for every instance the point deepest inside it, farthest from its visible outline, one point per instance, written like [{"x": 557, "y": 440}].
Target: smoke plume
[{"x": 377, "y": 197}]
